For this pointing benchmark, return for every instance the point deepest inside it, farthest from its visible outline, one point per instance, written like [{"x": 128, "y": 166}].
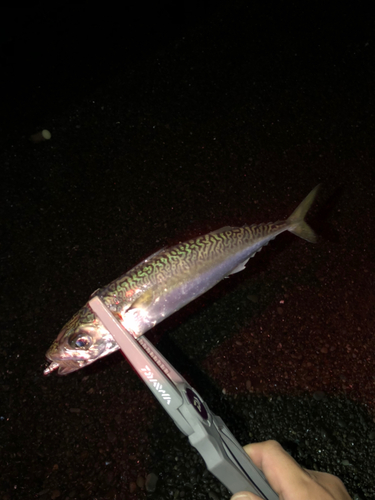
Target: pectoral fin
[{"x": 144, "y": 301}]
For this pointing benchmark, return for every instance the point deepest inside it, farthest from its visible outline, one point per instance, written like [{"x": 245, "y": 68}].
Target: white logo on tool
[{"x": 158, "y": 386}]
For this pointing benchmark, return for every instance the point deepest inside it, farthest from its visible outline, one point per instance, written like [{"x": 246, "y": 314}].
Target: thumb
[{"x": 245, "y": 495}]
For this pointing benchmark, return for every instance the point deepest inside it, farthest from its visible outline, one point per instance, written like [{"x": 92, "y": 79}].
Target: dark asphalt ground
[{"x": 167, "y": 124}]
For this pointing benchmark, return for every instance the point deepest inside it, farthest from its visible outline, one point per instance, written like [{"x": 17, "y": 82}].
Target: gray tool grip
[{"x": 223, "y": 455}]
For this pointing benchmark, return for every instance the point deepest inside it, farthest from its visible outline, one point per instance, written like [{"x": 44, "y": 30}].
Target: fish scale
[{"x": 163, "y": 283}]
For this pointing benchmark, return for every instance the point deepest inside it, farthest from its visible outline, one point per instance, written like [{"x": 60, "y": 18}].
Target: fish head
[{"x": 83, "y": 340}]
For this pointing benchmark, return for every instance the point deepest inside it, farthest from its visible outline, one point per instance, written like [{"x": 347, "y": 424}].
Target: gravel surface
[{"x": 164, "y": 125}]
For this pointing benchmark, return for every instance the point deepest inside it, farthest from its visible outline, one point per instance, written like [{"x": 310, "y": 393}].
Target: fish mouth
[
  {"x": 64, "y": 367},
  {"x": 66, "y": 361}
]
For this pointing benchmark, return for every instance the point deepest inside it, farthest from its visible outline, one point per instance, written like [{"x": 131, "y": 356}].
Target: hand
[{"x": 289, "y": 479}]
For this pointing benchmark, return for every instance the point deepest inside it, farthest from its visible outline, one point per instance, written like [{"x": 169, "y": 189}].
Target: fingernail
[{"x": 243, "y": 495}]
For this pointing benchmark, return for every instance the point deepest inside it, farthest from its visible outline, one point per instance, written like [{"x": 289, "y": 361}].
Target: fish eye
[{"x": 81, "y": 341}]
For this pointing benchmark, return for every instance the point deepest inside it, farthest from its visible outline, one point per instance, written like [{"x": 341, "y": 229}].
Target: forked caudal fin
[{"x": 298, "y": 225}]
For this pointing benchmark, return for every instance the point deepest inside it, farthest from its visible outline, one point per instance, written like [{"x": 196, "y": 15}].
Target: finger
[
  {"x": 330, "y": 483},
  {"x": 282, "y": 471}
]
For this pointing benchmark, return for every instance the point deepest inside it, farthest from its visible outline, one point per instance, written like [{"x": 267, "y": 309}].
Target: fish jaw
[
  {"x": 67, "y": 362},
  {"x": 63, "y": 367},
  {"x": 52, "y": 367}
]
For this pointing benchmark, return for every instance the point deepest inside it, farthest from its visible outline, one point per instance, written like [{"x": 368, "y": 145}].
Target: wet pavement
[{"x": 170, "y": 126}]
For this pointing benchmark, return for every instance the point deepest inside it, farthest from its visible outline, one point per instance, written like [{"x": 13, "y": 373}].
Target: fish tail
[{"x": 298, "y": 226}]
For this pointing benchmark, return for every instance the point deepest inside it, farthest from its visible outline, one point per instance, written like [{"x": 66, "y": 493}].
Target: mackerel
[{"x": 165, "y": 282}]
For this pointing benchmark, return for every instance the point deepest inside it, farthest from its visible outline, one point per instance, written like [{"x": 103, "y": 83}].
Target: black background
[{"x": 167, "y": 122}]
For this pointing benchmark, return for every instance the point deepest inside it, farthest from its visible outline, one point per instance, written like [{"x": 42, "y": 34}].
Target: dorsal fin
[
  {"x": 154, "y": 254},
  {"x": 222, "y": 230}
]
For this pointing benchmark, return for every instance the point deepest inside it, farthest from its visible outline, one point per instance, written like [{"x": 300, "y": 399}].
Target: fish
[{"x": 163, "y": 283}]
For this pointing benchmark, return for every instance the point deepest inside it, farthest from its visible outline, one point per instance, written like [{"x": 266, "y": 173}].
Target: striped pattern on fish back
[{"x": 190, "y": 257}]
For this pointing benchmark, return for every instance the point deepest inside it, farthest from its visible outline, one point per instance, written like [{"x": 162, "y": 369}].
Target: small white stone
[{"x": 43, "y": 135}]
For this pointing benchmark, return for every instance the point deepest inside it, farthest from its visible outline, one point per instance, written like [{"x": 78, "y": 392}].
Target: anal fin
[{"x": 241, "y": 266}]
